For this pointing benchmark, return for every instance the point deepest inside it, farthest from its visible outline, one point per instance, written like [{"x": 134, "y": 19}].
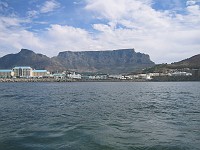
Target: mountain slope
[
  {"x": 192, "y": 62},
  {"x": 116, "y": 61},
  {"x": 28, "y": 58}
]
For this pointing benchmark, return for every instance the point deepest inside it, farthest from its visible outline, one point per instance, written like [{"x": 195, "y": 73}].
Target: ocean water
[{"x": 100, "y": 116}]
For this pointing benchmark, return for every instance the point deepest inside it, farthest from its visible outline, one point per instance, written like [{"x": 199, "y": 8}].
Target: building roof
[
  {"x": 39, "y": 70},
  {"x": 5, "y": 70},
  {"x": 22, "y": 67}
]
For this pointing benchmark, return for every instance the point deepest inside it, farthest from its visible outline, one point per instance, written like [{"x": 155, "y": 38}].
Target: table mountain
[{"x": 115, "y": 61}]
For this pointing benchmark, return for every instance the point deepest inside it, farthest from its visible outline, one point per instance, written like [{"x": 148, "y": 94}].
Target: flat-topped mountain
[{"x": 115, "y": 61}]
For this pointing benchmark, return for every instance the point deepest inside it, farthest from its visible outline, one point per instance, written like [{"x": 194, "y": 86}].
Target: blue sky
[{"x": 167, "y": 30}]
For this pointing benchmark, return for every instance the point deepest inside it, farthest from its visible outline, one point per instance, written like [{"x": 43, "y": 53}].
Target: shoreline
[
  {"x": 34, "y": 80},
  {"x": 9, "y": 80},
  {"x": 3, "y": 80}
]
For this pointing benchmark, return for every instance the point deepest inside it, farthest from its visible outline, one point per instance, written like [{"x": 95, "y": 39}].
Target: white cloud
[
  {"x": 14, "y": 37},
  {"x": 165, "y": 36},
  {"x": 8, "y": 21},
  {"x": 194, "y": 10},
  {"x": 150, "y": 31},
  {"x": 46, "y": 7},
  {"x": 56, "y": 38},
  {"x": 49, "y": 6},
  {"x": 32, "y": 13},
  {"x": 190, "y": 2},
  {"x": 60, "y": 38}
]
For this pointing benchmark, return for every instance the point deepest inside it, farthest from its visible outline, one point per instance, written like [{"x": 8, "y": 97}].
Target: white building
[
  {"x": 74, "y": 76},
  {"x": 27, "y": 72},
  {"x": 116, "y": 76},
  {"x": 59, "y": 75},
  {"x": 22, "y": 71},
  {"x": 154, "y": 74},
  {"x": 181, "y": 74},
  {"x": 143, "y": 76}
]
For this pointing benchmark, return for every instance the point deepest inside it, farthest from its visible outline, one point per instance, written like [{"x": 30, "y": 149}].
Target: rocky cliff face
[{"x": 116, "y": 61}]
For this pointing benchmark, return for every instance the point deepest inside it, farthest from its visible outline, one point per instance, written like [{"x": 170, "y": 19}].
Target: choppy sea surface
[{"x": 100, "y": 116}]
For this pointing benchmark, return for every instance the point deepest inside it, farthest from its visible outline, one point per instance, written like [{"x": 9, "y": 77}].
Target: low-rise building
[
  {"x": 74, "y": 76},
  {"x": 116, "y": 76},
  {"x": 101, "y": 77},
  {"x": 40, "y": 73},
  {"x": 154, "y": 74},
  {"x": 143, "y": 76},
  {"x": 91, "y": 77},
  {"x": 181, "y": 74},
  {"x": 59, "y": 75},
  {"x": 96, "y": 77},
  {"x": 6, "y": 73}
]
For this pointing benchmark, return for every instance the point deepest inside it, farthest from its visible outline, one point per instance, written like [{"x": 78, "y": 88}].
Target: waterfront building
[
  {"x": 97, "y": 77},
  {"x": 144, "y": 76},
  {"x": 22, "y": 71},
  {"x": 91, "y": 77},
  {"x": 74, "y": 76},
  {"x": 102, "y": 77},
  {"x": 59, "y": 75},
  {"x": 27, "y": 72},
  {"x": 6, "y": 73},
  {"x": 40, "y": 73},
  {"x": 181, "y": 74},
  {"x": 154, "y": 74},
  {"x": 115, "y": 76},
  {"x": 85, "y": 77}
]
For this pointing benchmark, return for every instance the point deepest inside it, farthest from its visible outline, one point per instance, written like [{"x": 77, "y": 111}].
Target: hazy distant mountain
[
  {"x": 116, "y": 61},
  {"x": 28, "y": 58}
]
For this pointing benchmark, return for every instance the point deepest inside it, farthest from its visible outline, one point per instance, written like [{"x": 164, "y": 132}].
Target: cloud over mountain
[{"x": 167, "y": 31}]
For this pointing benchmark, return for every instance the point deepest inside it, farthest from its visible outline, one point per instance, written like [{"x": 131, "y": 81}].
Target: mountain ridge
[
  {"x": 28, "y": 58},
  {"x": 122, "y": 60},
  {"x": 190, "y": 63},
  {"x": 107, "y": 61}
]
